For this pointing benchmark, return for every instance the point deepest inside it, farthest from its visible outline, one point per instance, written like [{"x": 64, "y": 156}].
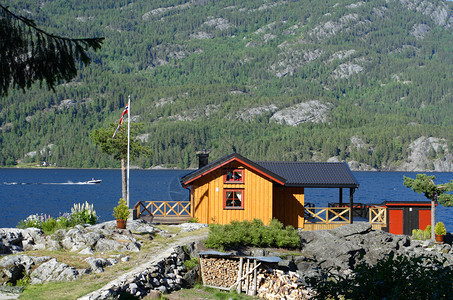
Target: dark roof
[
  {"x": 225, "y": 160},
  {"x": 313, "y": 174},
  {"x": 292, "y": 174}
]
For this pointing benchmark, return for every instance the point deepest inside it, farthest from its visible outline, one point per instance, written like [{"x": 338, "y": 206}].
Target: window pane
[{"x": 230, "y": 176}]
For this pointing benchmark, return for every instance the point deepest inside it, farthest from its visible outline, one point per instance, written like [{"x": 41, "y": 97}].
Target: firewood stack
[
  {"x": 219, "y": 272},
  {"x": 275, "y": 284},
  {"x": 223, "y": 273}
]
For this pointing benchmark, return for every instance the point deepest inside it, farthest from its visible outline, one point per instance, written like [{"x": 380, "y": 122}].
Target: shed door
[
  {"x": 424, "y": 218},
  {"x": 396, "y": 221}
]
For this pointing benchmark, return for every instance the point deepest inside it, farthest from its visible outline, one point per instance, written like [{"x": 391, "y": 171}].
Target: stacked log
[
  {"x": 272, "y": 284},
  {"x": 276, "y": 284},
  {"x": 219, "y": 272}
]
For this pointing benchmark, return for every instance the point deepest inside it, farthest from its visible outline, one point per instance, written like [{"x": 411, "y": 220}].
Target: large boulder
[
  {"x": 53, "y": 271},
  {"x": 348, "y": 245}
]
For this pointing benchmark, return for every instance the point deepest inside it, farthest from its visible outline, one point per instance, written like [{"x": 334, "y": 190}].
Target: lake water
[{"x": 54, "y": 191}]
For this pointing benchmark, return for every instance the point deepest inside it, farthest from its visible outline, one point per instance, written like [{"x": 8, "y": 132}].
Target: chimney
[{"x": 203, "y": 157}]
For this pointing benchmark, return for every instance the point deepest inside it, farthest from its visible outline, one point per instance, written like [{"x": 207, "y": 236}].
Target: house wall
[
  {"x": 208, "y": 197},
  {"x": 288, "y": 205}
]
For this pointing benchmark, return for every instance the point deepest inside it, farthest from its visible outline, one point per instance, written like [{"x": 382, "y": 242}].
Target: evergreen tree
[
  {"x": 424, "y": 184},
  {"x": 117, "y": 146}
]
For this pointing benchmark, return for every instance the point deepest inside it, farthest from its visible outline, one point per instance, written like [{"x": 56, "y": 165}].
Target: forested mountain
[{"x": 368, "y": 82}]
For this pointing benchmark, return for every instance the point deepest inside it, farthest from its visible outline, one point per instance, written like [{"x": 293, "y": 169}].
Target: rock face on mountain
[
  {"x": 306, "y": 112},
  {"x": 428, "y": 153}
]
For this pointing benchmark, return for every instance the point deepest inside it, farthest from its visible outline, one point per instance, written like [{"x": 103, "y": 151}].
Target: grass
[{"x": 199, "y": 292}]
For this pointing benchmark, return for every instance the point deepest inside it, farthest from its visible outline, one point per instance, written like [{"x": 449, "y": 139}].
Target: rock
[
  {"x": 307, "y": 112},
  {"x": 87, "y": 251},
  {"x": 53, "y": 271},
  {"x": 104, "y": 245},
  {"x": 97, "y": 264},
  {"x": 13, "y": 268},
  {"x": 348, "y": 230},
  {"x": 188, "y": 227}
]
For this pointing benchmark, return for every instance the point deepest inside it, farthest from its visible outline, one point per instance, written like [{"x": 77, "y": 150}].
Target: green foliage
[
  {"x": 193, "y": 93},
  {"x": 121, "y": 211},
  {"x": 191, "y": 263},
  {"x": 117, "y": 146},
  {"x": 80, "y": 214},
  {"x": 439, "y": 229},
  {"x": 53, "y": 58},
  {"x": 25, "y": 280},
  {"x": 252, "y": 233},
  {"x": 424, "y": 184},
  {"x": 393, "y": 277},
  {"x": 419, "y": 234}
]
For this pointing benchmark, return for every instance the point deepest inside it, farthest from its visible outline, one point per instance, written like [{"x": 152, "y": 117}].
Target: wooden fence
[
  {"x": 324, "y": 218},
  {"x": 327, "y": 215},
  {"x": 162, "y": 208},
  {"x": 378, "y": 215}
]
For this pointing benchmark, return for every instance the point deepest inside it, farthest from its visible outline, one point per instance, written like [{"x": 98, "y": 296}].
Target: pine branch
[{"x": 29, "y": 54}]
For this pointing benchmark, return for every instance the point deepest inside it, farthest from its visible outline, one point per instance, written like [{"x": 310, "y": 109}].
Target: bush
[
  {"x": 393, "y": 277},
  {"x": 82, "y": 214},
  {"x": 252, "y": 233},
  {"x": 121, "y": 211},
  {"x": 439, "y": 229}
]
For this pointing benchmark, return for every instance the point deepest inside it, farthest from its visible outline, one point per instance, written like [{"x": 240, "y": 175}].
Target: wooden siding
[
  {"x": 288, "y": 205},
  {"x": 208, "y": 197}
]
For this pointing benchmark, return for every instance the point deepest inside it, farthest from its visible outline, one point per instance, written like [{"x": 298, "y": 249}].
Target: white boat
[{"x": 94, "y": 181}]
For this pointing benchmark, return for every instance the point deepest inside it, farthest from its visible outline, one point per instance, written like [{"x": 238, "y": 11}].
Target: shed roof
[{"x": 291, "y": 174}]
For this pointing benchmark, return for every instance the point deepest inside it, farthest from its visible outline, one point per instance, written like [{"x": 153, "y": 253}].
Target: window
[
  {"x": 234, "y": 176},
  {"x": 233, "y": 199}
]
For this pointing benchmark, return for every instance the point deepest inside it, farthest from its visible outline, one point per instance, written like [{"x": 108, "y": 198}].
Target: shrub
[
  {"x": 427, "y": 232},
  {"x": 393, "y": 277},
  {"x": 191, "y": 263},
  {"x": 439, "y": 229},
  {"x": 82, "y": 214},
  {"x": 121, "y": 211},
  {"x": 252, "y": 233},
  {"x": 49, "y": 225}
]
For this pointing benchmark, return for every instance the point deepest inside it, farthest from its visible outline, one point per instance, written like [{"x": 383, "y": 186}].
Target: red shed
[{"x": 404, "y": 216}]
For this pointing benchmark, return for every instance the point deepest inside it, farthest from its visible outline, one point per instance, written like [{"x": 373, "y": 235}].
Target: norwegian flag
[{"x": 125, "y": 111}]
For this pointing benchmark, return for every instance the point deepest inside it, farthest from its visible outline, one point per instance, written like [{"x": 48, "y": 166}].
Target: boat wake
[{"x": 49, "y": 183}]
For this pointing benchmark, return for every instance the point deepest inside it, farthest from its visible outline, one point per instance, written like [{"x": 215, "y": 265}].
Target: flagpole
[{"x": 128, "y": 146}]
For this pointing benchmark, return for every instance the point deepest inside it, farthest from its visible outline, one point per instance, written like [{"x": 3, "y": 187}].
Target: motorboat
[{"x": 94, "y": 181}]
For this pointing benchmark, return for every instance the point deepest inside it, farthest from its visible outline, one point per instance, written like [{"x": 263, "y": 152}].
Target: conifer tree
[
  {"x": 424, "y": 184},
  {"x": 118, "y": 146}
]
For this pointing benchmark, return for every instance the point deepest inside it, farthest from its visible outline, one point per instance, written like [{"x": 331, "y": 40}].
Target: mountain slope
[{"x": 278, "y": 80}]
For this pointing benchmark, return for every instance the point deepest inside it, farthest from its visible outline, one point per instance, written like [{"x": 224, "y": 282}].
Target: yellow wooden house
[{"x": 236, "y": 188}]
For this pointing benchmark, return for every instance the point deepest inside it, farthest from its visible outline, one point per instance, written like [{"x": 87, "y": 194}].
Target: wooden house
[{"x": 236, "y": 188}]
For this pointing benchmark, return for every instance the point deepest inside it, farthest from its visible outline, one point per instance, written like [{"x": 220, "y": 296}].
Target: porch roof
[{"x": 313, "y": 174}]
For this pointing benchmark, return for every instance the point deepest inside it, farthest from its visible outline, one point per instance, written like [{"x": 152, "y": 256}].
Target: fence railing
[
  {"x": 327, "y": 215},
  {"x": 378, "y": 215},
  {"x": 163, "y": 208}
]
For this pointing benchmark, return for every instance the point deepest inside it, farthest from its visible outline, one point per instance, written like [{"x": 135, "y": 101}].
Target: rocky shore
[{"x": 340, "y": 249}]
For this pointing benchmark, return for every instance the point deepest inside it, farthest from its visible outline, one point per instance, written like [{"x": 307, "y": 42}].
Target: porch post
[
  {"x": 341, "y": 197},
  {"x": 351, "y": 203}
]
